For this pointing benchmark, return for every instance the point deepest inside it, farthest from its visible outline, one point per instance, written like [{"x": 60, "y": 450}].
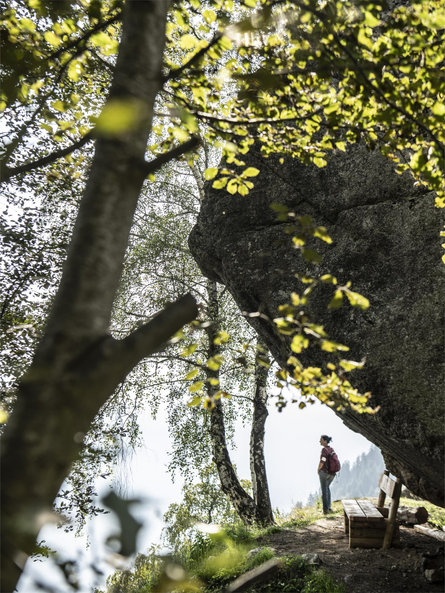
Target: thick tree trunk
[
  {"x": 78, "y": 365},
  {"x": 242, "y": 502},
  {"x": 264, "y": 514}
]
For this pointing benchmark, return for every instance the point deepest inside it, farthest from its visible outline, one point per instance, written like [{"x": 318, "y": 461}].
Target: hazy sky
[{"x": 292, "y": 452}]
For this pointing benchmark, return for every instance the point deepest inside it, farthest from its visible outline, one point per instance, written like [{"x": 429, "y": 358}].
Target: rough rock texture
[{"x": 386, "y": 241}]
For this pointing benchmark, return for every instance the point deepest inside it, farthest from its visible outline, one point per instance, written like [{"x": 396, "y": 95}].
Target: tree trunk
[
  {"x": 78, "y": 365},
  {"x": 264, "y": 514},
  {"x": 242, "y": 502}
]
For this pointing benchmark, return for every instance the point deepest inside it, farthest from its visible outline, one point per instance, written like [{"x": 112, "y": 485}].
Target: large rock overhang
[{"x": 386, "y": 241}]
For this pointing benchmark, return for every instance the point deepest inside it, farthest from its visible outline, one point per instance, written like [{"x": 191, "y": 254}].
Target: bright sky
[{"x": 292, "y": 452}]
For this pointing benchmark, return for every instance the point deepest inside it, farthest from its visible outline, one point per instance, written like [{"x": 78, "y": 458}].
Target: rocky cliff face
[{"x": 386, "y": 241}]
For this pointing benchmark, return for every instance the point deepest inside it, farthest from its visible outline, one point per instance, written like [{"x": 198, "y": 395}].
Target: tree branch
[
  {"x": 75, "y": 42},
  {"x": 9, "y": 172},
  {"x": 259, "y": 574},
  {"x": 174, "y": 153},
  {"x": 149, "y": 167},
  {"x": 152, "y": 336}
]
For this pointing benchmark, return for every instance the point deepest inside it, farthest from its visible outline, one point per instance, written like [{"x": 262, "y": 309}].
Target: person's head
[{"x": 325, "y": 440}]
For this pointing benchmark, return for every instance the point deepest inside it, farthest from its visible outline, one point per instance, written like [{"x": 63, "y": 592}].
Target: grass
[
  {"x": 294, "y": 575},
  {"x": 211, "y": 562}
]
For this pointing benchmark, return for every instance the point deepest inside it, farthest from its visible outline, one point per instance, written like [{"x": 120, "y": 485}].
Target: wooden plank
[
  {"x": 369, "y": 532},
  {"x": 352, "y": 508},
  {"x": 369, "y": 509},
  {"x": 375, "y": 540},
  {"x": 389, "y": 486},
  {"x": 367, "y": 520}
]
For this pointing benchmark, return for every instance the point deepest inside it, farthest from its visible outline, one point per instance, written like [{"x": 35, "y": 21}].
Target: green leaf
[
  {"x": 196, "y": 386},
  {"x": 319, "y": 162},
  {"x": 189, "y": 350},
  {"x": 311, "y": 256},
  {"x": 438, "y": 108},
  {"x": 330, "y": 346},
  {"x": 357, "y": 300},
  {"x": 52, "y": 38},
  {"x": 3, "y": 415},
  {"x": 370, "y": 20},
  {"x": 295, "y": 299},
  {"x": 299, "y": 343},
  {"x": 220, "y": 183},
  {"x": 192, "y": 374},
  {"x": 351, "y": 365},
  {"x": 322, "y": 233},
  {"x": 196, "y": 401},
  {"x": 337, "y": 300},
  {"x": 187, "y": 41},
  {"x": 232, "y": 186},
  {"x": 250, "y": 172},
  {"x": 363, "y": 39},
  {"x": 215, "y": 362},
  {"x": 210, "y": 173},
  {"x": 209, "y": 15},
  {"x": 331, "y": 108},
  {"x": 189, "y": 120},
  {"x": 58, "y": 106},
  {"x": 279, "y": 208},
  {"x": 221, "y": 338},
  {"x": 118, "y": 117}
]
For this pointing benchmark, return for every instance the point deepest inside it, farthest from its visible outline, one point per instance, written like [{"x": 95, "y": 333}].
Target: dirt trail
[{"x": 397, "y": 570}]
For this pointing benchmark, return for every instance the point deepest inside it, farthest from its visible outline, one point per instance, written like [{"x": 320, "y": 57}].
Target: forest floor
[{"x": 396, "y": 570}]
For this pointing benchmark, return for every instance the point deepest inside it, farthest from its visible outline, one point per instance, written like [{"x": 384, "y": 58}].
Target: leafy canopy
[{"x": 302, "y": 78}]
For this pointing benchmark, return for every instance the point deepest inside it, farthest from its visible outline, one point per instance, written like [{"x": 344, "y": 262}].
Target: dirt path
[{"x": 397, "y": 570}]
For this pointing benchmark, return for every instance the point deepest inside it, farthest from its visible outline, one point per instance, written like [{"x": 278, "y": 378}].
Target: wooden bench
[{"x": 369, "y": 526}]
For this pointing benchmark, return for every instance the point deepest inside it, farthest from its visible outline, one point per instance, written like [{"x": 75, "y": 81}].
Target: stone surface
[{"x": 386, "y": 242}]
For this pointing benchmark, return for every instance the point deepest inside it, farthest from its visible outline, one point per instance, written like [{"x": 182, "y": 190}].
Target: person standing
[{"x": 323, "y": 473}]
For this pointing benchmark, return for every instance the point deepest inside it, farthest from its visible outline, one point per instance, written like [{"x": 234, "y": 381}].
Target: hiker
[{"x": 323, "y": 473}]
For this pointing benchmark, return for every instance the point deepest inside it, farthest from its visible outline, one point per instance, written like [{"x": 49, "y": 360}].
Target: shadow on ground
[{"x": 397, "y": 570}]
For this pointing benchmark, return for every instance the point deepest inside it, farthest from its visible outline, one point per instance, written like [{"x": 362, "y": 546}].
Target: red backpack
[{"x": 333, "y": 463}]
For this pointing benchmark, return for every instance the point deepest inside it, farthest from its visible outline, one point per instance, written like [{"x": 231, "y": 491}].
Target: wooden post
[
  {"x": 392, "y": 514},
  {"x": 382, "y": 495}
]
